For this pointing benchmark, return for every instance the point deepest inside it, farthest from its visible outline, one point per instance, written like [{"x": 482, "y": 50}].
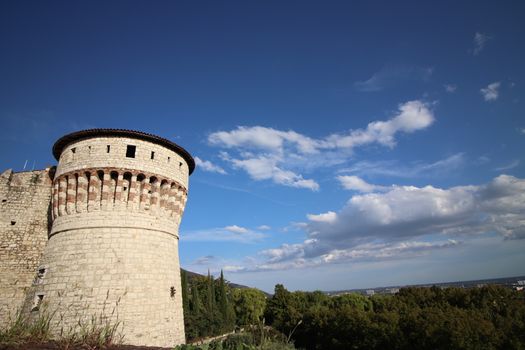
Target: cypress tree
[
  {"x": 210, "y": 293},
  {"x": 184, "y": 283},
  {"x": 223, "y": 300}
]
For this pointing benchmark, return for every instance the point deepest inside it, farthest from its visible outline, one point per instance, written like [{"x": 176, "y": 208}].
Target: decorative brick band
[{"x": 117, "y": 189}]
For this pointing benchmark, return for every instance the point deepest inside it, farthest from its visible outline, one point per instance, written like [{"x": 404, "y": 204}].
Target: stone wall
[
  {"x": 110, "y": 152},
  {"x": 113, "y": 254},
  {"x": 24, "y": 222}
]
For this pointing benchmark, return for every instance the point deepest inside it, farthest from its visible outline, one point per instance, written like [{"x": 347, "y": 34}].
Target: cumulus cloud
[
  {"x": 491, "y": 92},
  {"x": 403, "y": 222},
  {"x": 264, "y": 228},
  {"x": 276, "y": 155},
  {"x": 329, "y": 217},
  {"x": 231, "y": 233},
  {"x": 480, "y": 40},
  {"x": 209, "y": 166},
  {"x": 391, "y": 75}
]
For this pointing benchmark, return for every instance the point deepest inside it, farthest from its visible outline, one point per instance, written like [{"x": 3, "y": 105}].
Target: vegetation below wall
[
  {"x": 491, "y": 317},
  {"x": 212, "y": 307}
]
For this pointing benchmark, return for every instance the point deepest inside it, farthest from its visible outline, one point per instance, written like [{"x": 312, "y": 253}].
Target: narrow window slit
[{"x": 37, "y": 302}]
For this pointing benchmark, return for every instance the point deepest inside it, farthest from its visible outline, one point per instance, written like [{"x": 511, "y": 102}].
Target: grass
[{"x": 99, "y": 332}]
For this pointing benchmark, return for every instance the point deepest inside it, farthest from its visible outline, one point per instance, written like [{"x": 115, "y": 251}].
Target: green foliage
[
  {"x": 97, "y": 333},
  {"x": 416, "y": 318},
  {"x": 208, "y": 310},
  {"x": 249, "y": 305},
  {"x": 21, "y": 330},
  {"x": 257, "y": 337}
]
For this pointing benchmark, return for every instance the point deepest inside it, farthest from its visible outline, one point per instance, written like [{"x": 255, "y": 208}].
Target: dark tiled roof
[{"x": 62, "y": 142}]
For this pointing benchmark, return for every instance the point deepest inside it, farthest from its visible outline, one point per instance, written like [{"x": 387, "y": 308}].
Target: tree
[
  {"x": 249, "y": 305},
  {"x": 185, "y": 296}
]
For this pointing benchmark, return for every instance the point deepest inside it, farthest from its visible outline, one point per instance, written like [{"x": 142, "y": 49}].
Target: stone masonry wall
[
  {"x": 25, "y": 199},
  {"x": 102, "y": 152},
  {"x": 113, "y": 247}
]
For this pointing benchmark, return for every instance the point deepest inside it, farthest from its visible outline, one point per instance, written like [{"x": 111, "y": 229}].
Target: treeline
[
  {"x": 491, "y": 317},
  {"x": 212, "y": 308}
]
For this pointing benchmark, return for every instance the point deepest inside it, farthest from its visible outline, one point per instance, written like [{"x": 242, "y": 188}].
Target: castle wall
[
  {"x": 24, "y": 221},
  {"x": 113, "y": 247}
]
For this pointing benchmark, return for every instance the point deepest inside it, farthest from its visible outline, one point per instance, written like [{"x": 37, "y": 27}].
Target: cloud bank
[
  {"x": 276, "y": 155},
  {"x": 404, "y": 221}
]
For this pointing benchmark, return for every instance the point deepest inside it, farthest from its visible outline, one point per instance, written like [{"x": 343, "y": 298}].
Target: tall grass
[{"x": 98, "y": 331}]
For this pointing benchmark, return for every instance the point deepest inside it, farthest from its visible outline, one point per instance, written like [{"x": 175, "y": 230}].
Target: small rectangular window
[
  {"x": 169, "y": 159},
  {"x": 108, "y": 148},
  {"x": 130, "y": 151},
  {"x": 152, "y": 155}
]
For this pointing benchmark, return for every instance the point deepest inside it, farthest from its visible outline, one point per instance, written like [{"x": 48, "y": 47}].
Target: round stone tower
[{"x": 112, "y": 255}]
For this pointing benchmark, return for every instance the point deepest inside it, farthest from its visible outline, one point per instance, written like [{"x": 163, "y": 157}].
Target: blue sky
[{"x": 339, "y": 144}]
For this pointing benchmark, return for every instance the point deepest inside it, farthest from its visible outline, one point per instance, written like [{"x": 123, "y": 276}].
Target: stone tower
[{"x": 112, "y": 255}]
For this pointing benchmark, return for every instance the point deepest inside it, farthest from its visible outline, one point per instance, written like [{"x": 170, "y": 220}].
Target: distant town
[{"x": 516, "y": 283}]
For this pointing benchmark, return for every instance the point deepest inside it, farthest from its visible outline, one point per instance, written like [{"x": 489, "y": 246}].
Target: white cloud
[
  {"x": 231, "y": 233},
  {"x": 296, "y": 256},
  {"x": 209, "y": 166},
  {"x": 329, "y": 217},
  {"x": 418, "y": 169},
  {"x": 205, "y": 260},
  {"x": 355, "y": 183},
  {"x": 403, "y": 222},
  {"x": 391, "y": 75},
  {"x": 279, "y": 156},
  {"x": 236, "y": 229},
  {"x": 509, "y": 166},
  {"x": 491, "y": 92},
  {"x": 450, "y": 88},
  {"x": 411, "y": 116},
  {"x": 480, "y": 40},
  {"x": 266, "y": 168},
  {"x": 264, "y": 228}
]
